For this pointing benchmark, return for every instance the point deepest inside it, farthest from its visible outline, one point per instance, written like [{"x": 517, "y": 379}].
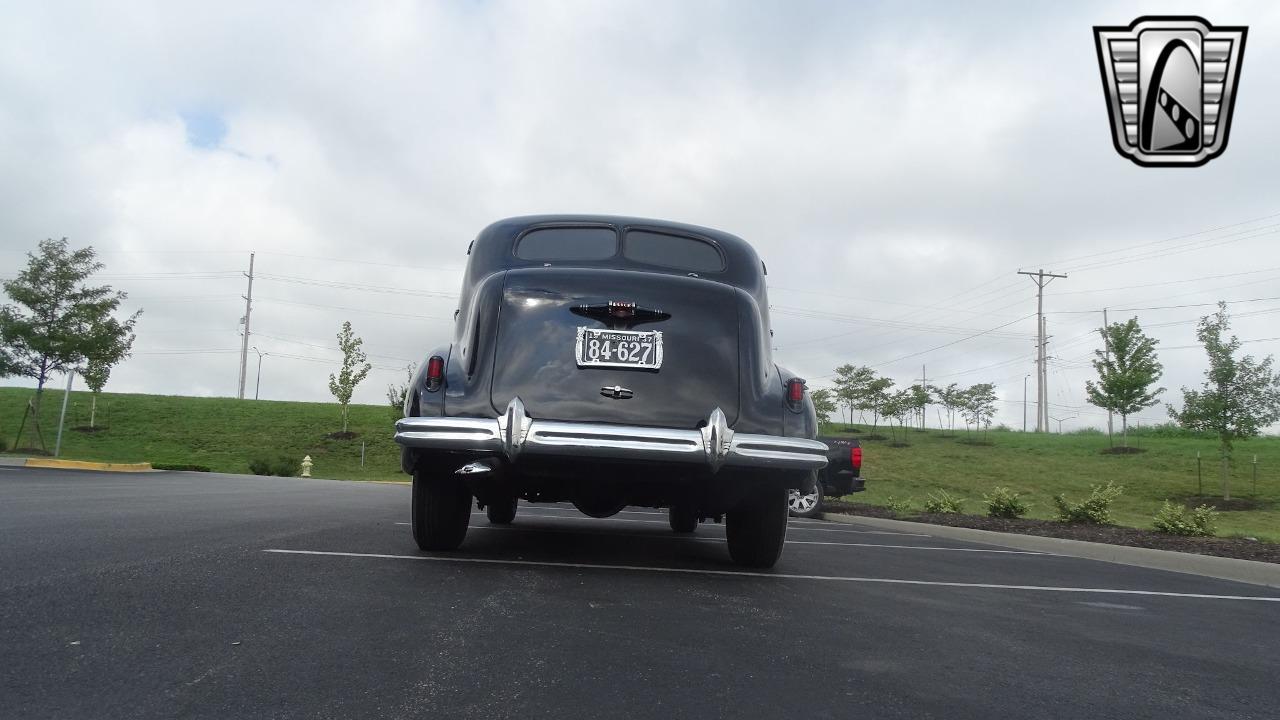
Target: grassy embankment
[
  {"x": 225, "y": 434},
  {"x": 1040, "y": 466}
]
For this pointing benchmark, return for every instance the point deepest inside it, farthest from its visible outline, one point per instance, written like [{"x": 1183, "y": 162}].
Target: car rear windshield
[
  {"x": 568, "y": 243},
  {"x": 673, "y": 251}
]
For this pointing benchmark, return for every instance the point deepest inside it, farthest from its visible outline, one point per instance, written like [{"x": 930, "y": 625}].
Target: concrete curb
[
  {"x": 1246, "y": 571},
  {"x": 86, "y": 465}
]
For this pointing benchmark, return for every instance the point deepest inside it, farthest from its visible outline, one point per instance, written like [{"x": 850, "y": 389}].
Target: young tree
[
  {"x": 873, "y": 397},
  {"x": 920, "y": 398},
  {"x": 851, "y": 386},
  {"x": 112, "y": 345},
  {"x": 1239, "y": 397},
  {"x": 979, "y": 405},
  {"x": 57, "y": 321},
  {"x": 823, "y": 403},
  {"x": 898, "y": 406},
  {"x": 355, "y": 367},
  {"x": 396, "y": 393},
  {"x": 1125, "y": 373},
  {"x": 949, "y": 398}
]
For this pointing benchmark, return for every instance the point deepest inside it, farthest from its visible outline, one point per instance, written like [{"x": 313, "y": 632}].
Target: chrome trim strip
[{"x": 515, "y": 434}]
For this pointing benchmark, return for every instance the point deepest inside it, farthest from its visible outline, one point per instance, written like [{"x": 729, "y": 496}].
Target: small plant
[
  {"x": 1094, "y": 509},
  {"x": 1004, "y": 503},
  {"x": 281, "y": 466},
  {"x": 898, "y": 506},
  {"x": 943, "y": 502},
  {"x": 1175, "y": 520}
]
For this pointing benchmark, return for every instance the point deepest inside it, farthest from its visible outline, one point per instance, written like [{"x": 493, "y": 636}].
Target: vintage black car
[{"x": 610, "y": 361}]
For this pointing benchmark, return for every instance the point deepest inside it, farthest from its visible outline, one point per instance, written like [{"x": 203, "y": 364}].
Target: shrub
[
  {"x": 943, "y": 502},
  {"x": 898, "y": 506},
  {"x": 1004, "y": 503},
  {"x": 188, "y": 467},
  {"x": 1175, "y": 520},
  {"x": 280, "y": 465},
  {"x": 1094, "y": 509}
]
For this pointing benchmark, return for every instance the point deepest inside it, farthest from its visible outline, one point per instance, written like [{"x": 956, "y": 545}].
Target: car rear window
[
  {"x": 673, "y": 251},
  {"x": 568, "y": 243}
]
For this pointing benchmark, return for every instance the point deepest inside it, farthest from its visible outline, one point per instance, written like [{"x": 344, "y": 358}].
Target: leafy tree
[
  {"x": 950, "y": 398},
  {"x": 396, "y": 393},
  {"x": 919, "y": 395},
  {"x": 979, "y": 405},
  {"x": 355, "y": 367},
  {"x": 1125, "y": 373},
  {"x": 1239, "y": 397},
  {"x": 851, "y": 386},
  {"x": 57, "y": 321},
  {"x": 111, "y": 346},
  {"x": 873, "y": 398},
  {"x": 824, "y": 403},
  {"x": 898, "y": 406}
]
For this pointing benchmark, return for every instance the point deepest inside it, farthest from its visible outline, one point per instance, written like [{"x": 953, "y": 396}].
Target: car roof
[{"x": 492, "y": 250}]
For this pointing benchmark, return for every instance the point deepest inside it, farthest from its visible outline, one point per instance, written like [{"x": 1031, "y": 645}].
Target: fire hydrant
[{"x": 306, "y": 466}]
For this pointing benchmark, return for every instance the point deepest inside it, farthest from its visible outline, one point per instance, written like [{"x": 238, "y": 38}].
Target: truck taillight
[
  {"x": 855, "y": 458},
  {"x": 435, "y": 373},
  {"x": 795, "y": 393}
]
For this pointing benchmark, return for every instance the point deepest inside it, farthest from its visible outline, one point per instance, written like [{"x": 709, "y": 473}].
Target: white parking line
[
  {"x": 688, "y": 538},
  {"x": 774, "y": 576}
]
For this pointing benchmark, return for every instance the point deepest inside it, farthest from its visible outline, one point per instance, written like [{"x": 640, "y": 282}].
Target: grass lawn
[
  {"x": 223, "y": 434},
  {"x": 1040, "y": 466}
]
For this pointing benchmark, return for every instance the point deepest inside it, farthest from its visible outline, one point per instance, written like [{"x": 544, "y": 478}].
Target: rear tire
[
  {"x": 806, "y": 505},
  {"x": 441, "y": 510},
  {"x": 757, "y": 527},
  {"x": 683, "y": 519},
  {"x": 502, "y": 512}
]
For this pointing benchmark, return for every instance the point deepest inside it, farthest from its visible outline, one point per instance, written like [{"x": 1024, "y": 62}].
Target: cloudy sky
[{"x": 894, "y": 163}]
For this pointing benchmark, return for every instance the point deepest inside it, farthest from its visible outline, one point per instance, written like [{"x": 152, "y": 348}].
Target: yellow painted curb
[{"x": 86, "y": 465}]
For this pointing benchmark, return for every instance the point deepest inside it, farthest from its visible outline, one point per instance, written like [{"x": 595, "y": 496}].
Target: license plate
[{"x": 619, "y": 348}]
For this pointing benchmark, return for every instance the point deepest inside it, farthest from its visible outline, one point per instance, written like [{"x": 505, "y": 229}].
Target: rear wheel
[
  {"x": 757, "y": 527},
  {"x": 441, "y": 510},
  {"x": 503, "y": 511},
  {"x": 806, "y": 505},
  {"x": 683, "y": 519}
]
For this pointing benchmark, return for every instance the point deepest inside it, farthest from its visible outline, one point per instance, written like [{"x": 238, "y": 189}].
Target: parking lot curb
[
  {"x": 86, "y": 465},
  {"x": 1246, "y": 571}
]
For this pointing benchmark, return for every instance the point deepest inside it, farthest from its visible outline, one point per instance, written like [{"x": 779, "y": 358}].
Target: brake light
[
  {"x": 795, "y": 393},
  {"x": 435, "y": 373},
  {"x": 855, "y": 458}
]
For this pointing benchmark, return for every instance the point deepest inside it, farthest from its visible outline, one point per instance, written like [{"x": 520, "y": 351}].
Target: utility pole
[
  {"x": 1041, "y": 278},
  {"x": 1024, "y": 401},
  {"x": 1106, "y": 349},
  {"x": 924, "y": 385},
  {"x": 244, "y": 343}
]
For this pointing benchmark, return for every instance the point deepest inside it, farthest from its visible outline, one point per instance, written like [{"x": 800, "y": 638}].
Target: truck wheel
[
  {"x": 683, "y": 518},
  {"x": 806, "y": 505},
  {"x": 441, "y": 510},
  {"x": 757, "y": 527},
  {"x": 503, "y": 511}
]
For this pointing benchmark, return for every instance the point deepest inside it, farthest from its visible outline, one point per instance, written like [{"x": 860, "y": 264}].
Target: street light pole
[
  {"x": 1024, "y": 401},
  {"x": 258, "y": 383},
  {"x": 1073, "y": 417}
]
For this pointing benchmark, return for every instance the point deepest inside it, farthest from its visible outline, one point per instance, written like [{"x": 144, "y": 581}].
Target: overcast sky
[{"x": 895, "y": 164}]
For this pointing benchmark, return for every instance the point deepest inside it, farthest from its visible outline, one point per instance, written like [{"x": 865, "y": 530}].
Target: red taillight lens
[
  {"x": 435, "y": 372},
  {"x": 855, "y": 458},
  {"x": 795, "y": 391}
]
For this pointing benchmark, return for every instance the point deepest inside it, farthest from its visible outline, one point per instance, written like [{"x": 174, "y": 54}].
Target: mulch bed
[{"x": 1221, "y": 547}]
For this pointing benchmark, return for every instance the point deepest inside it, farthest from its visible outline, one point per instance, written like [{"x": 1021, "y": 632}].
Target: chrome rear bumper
[{"x": 515, "y": 434}]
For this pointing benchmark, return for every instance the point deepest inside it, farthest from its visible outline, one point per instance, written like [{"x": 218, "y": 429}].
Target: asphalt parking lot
[{"x": 183, "y": 594}]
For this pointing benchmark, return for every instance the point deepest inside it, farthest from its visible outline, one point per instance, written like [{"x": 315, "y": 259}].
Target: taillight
[
  {"x": 855, "y": 458},
  {"x": 435, "y": 373},
  {"x": 795, "y": 393}
]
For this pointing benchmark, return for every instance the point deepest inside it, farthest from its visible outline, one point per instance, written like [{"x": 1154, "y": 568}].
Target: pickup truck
[{"x": 841, "y": 476}]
